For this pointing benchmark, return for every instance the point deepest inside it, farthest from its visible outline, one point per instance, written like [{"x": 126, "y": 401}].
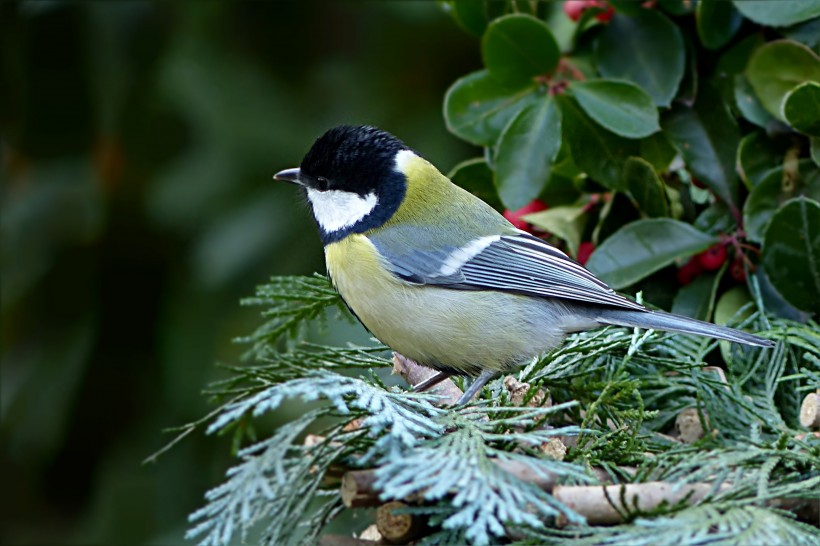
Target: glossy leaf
[
  {"x": 776, "y": 68},
  {"x": 791, "y": 252},
  {"x": 707, "y": 137},
  {"x": 728, "y": 312},
  {"x": 658, "y": 151},
  {"x": 600, "y": 153},
  {"x": 639, "y": 249},
  {"x": 759, "y": 154},
  {"x": 697, "y": 299},
  {"x": 475, "y": 176},
  {"x": 567, "y": 223},
  {"x": 470, "y": 16},
  {"x": 748, "y": 103},
  {"x": 715, "y": 219},
  {"x": 477, "y": 107},
  {"x": 775, "y": 189},
  {"x": 777, "y": 13},
  {"x": 815, "y": 151},
  {"x": 645, "y": 187},
  {"x": 517, "y": 47},
  {"x": 620, "y": 106},
  {"x": 525, "y": 153},
  {"x": 647, "y": 50},
  {"x": 717, "y": 22},
  {"x": 801, "y": 108},
  {"x": 807, "y": 32}
]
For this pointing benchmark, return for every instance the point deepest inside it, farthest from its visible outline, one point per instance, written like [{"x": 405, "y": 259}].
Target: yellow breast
[{"x": 460, "y": 329}]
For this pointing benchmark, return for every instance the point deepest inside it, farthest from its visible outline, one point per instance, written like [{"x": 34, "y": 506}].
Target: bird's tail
[{"x": 658, "y": 320}]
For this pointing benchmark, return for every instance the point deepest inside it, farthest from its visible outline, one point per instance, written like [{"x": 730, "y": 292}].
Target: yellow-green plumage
[{"x": 440, "y": 327}]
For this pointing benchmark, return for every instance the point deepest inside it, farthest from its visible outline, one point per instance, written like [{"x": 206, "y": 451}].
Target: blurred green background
[{"x": 138, "y": 143}]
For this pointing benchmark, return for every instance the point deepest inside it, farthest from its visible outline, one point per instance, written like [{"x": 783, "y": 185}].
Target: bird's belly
[{"x": 439, "y": 327}]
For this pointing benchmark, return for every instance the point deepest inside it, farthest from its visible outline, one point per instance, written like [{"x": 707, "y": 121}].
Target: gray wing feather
[{"x": 517, "y": 263}]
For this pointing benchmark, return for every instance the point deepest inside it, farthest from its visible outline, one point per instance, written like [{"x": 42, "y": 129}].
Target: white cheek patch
[
  {"x": 462, "y": 255},
  {"x": 335, "y": 209}
]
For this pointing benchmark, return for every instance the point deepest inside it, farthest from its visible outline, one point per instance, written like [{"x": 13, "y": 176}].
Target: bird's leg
[
  {"x": 431, "y": 381},
  {"x": 476, "y": 386}
]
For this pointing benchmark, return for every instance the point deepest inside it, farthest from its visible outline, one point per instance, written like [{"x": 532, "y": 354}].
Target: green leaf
[
  {"x": 622, "y": 107},
  {"x": 715, "y": 219},
  {"x": 677, "y": 7},
  {"x": 707, "y": 137},
  {"x": 647, "y": 50},
  {"x": 791, "y": 252},
  {"x": 776, "y": 68},
  {"x": 728, "y": 305},
  {"x": 688, "y": 88},
  {"x": 525, "y": 153},
  {"x": 777, "y": 13},
  {"x": 645, "y": 187},
  {"x": 475, "y": 176},
  {"x": 815, "y": 151},
  {"x": 801, "y": 108},
  {"x": 470, "y": 16},
  {"x": 717, "y": 22},
  {"x": 517, "y": 47},
  {"x": 697, "y": 299},
  {"x": 776, "y": 188},
  {"x": 566, "y": 222},
  {"x": 807, "y": 32},
  {"x": 477, "y": 107},
  {"x": 658, "y": 151},
  {"x": 639, "y": 249},
  {"x": 600, "y": 153},
  {"x": 758, "y": 154},
  {"x": 748, "y": 103}
]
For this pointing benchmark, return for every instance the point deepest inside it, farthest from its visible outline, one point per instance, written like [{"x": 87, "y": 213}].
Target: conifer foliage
[{"x": 678, "y": 144}]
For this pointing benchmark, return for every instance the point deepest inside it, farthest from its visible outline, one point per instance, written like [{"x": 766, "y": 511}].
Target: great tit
[{"x": 442, "y": 278}]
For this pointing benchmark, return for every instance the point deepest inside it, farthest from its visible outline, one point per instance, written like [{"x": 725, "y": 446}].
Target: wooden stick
[
  {"x": 414, "y": 374},
  {"x": 343, "y": 540},
  {"x": 397, "y": 528},
  {"x": 810, "y": 411},
  {"x": 358, "y": 488},
  {"x": 608, "y": 504}
]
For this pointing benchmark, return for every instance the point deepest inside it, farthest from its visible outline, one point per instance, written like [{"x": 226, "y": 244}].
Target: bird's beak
[{"x": 289, "y": 175}]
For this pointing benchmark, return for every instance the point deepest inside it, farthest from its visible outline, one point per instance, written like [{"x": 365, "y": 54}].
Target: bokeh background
[{"x": 138, "y": 143}]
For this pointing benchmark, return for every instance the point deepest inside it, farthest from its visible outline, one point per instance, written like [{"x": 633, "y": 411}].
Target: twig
[
  {"x": 609, "y": 504},
  {"x": 359, "y": 490},
  {"x": 810, "y": 411},
  {"x": 414, "y": 374},
  {"x": 343, "y": 540},
  {"x": 398, "y": 528}
]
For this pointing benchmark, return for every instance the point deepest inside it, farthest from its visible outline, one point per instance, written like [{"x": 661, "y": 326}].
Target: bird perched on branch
[{"x": 441, "y": 277}]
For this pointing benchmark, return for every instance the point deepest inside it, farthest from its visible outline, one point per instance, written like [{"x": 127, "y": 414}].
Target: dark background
[{"x": 138, "y": 143}]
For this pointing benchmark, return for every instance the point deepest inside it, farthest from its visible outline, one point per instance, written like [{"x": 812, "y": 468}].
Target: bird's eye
[{"x": 322, "y": 183}]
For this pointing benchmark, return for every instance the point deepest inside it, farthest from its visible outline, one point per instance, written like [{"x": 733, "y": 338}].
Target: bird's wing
[{"x": 518, "y": 263}]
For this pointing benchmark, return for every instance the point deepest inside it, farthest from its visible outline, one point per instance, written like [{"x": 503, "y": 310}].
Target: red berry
[
  {"x": 737, "y": 270},
  {"x": 514, "y": 216},
  {"x": 713, "y": 257},
  {"x": 584, "y": 251},
  {"x": 605, "y": 15},
  {"x": 689, "y": 271},
  {"x": 574, "y": 8}
]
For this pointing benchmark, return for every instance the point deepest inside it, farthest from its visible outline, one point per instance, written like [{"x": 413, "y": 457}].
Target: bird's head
[{"x": 352, "y": 179}]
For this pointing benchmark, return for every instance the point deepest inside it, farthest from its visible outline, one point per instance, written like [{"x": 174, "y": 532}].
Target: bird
[{"x": 441, "y": 277}]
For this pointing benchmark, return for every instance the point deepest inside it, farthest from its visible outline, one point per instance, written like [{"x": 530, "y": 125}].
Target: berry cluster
[
  {"x": 575, "y": 8},
  {"x": 713, "y": 259}
]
